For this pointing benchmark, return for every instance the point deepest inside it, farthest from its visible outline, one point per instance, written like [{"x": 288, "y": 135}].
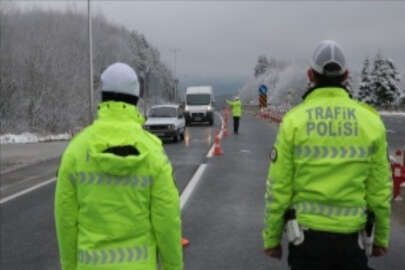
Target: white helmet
[
  {"x": 120, "y": 78},
  {"x": 328, "y": 52},
  {"x": 236, "y": 98}
]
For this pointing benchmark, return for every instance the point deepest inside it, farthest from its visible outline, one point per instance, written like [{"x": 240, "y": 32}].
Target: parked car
[
  {"x": 199, "y": 104},
  {"x": 166, "y": 121}
]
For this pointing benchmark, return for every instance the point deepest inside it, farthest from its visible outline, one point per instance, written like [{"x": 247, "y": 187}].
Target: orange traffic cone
[
  {"x": 217, "y": 149},
  {"x": 185, "y": 242}
]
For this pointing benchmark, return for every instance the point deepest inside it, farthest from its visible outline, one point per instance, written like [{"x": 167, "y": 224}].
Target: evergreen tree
[
  {"x": 262, "y": 65},
  {"x": 365, "y": 92},
  {"x": 349, "y": 84},
  {"x": 384, "y": 81}
]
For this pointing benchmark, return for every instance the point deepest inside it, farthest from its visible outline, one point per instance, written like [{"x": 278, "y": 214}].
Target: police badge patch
[{"x": 273, "y": 154}]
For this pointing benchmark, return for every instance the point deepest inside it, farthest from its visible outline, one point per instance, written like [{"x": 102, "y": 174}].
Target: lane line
[
  {"x": 23, "y": 192},
  {"x": 211, "y": 151},
  {"x": 185, "y": 195}
]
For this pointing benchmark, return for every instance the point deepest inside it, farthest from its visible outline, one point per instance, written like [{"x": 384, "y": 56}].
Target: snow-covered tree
[
  {"x": 380, "y": 82},
  {"x": 286, "y": 81},
  {"x": 44, "y": 86},
  {"x": 384, "y": 81},
  {"x": 365, "y": 91},
  {"x": 349, "y": 84},
  {"x": 262, "y": 65}
]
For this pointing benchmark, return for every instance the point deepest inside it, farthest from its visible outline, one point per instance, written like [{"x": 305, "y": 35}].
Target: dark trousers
[
  {"x": 327, "y": 251},
  {"x": 236, "y": 124}
]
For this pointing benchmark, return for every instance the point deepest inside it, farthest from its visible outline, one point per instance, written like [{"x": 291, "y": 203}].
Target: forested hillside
[{"x": 44, "y": 71}]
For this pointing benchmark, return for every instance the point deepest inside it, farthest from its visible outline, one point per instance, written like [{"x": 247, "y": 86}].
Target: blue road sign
[{"x": 263, "y": 89}]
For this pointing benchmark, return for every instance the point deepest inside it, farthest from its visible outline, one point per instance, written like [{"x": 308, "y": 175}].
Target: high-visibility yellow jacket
[
  {"x": 115, "y": 212},
  {"x": 236, "y": 107},
  {"x": 330, "y": 164}
]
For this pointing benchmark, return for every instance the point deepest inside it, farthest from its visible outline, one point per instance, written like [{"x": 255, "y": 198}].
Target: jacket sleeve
[
  {"x": 379, "y": 191},
  {"x": 165, "y": 215},
  {"x": 66, "y": 214},
  {"x": 278, "y": 186},
  {"x": 230, "y": 103}
]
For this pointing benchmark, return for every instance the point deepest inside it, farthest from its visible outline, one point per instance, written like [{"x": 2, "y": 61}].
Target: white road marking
[
  {"x": 185, "y": 195},
  {"x": 25, "y": 191},
  {"x": 211, "y": 151}
]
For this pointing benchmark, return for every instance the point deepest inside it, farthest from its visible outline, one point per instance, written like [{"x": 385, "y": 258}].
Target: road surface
[
  {"x": 223, "y": 217},
  {"x": 28, "y": 238}
]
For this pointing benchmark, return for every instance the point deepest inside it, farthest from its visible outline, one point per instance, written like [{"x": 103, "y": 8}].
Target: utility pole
[
  {"x": 175, "y": 51},
  {"x": 91, "y": 86}
]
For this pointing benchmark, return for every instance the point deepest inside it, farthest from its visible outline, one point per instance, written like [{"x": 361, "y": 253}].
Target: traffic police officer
[
  {"x": 116, "y": 203},
  {"x": 329, "y": 166},
  {"x": 236, "y": 112}
]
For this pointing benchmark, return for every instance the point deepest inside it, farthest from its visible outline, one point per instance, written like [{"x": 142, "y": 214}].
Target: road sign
[
  {"x": 263, "y": 89},
  {"x": 263, "y": 101}
]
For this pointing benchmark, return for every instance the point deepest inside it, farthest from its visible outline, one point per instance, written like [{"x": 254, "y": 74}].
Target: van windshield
[
  {"x": 198, "y": 99},
  {"x": 163, "y": 112}
]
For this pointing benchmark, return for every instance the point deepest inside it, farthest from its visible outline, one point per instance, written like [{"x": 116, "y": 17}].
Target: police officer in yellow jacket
[
  {"x": 329, "y": 175},
  {"x": 116, "y": 203},
  {"x": 236, "y": 105}
]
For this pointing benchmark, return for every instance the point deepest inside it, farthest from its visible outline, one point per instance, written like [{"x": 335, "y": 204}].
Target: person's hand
[
  {"x": 275, "y": 252},
  {"x": 379, "y": 251}
]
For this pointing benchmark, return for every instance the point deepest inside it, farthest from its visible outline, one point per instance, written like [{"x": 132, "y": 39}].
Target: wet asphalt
[
  {"x": 395, "y": 126},
  {"x": 27, "y": 231},
  {"x": 223, "y": 218}
]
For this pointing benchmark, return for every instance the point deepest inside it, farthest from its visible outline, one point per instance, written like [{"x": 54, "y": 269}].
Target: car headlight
[
  {"x": 209, "y": 108},
  {"x": 186, "y": 108}
]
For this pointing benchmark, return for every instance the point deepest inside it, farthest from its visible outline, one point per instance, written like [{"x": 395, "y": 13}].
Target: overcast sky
[{"x": 226, "y": 37}]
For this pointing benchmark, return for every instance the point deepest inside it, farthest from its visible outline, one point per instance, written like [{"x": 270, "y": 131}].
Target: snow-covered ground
[
  {"x": 28, "y": 137},
  {"x": 393, "y": 113}
]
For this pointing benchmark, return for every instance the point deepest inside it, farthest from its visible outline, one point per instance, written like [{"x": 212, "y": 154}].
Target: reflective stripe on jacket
[
  {"x": 236, "y": 107},
  {"x": 330, "y": 163},
  {"x": 114, "y": 212}
]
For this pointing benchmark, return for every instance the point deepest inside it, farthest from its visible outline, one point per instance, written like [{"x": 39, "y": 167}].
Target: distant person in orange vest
[{"x": 236, "y": 105}]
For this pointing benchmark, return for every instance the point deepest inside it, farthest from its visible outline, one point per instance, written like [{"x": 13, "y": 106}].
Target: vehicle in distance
[
  {"x": 199, "y": 104},
  {"x": 166, "y": 121}
]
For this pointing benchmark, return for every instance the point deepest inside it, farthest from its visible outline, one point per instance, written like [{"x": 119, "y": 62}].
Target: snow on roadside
[
  {"x": 392, "y": 113},
  {"x": 28, "y": 137}
]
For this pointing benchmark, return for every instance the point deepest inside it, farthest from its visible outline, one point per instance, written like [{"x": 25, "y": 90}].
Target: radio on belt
[{"x": 295, "y": 234}]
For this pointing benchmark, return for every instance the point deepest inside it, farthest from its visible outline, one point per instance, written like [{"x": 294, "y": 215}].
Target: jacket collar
[
  {"x": 119, "y": 111},
  {"x": 326, "y": 91}
]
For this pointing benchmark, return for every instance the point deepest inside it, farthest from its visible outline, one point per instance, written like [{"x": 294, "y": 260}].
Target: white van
[{"x": 199, "y": 104}]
